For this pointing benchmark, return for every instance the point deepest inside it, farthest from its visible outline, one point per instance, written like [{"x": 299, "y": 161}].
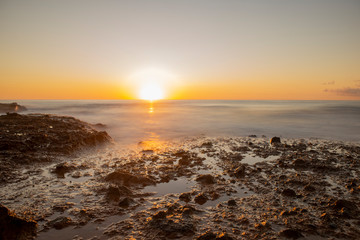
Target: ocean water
[{"x": 132, "y": 121}]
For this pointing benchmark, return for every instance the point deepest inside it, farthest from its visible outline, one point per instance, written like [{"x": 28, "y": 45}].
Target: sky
[{"x": 199, "y": 49}]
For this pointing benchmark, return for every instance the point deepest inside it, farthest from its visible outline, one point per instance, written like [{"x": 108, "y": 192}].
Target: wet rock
[
  {"x": 292, "y": 212},
  {"x": 209, "y": 235},
  {"x": 147, "y": 151},
  {"x": 11, "y": 107},
  {"x": 261, "y": 225},
  {"x": 171, "y": 228},
  {"x": 188, "y": 210},
  {"x": 160, "y": 215},
  {"x": 299, "y": 163},
  {"x": 240, "y": 172},
  {"x": 224, "y": 236},
  {"x": 60, "y": 223},
  {"x": 185, "y": 161},
  {"x": 127, "y": 179},
  {"x": 346, "y": 208},
  {"x": 232, "y": 202},
  {"x": 29, "y": 139},
  {"x": 206, "y": 179},
  {"x": 126, "y": 202},
  {"x": 14, "y": 227},
  {"x": 113, "y": 193},
  {"x": 186, "y": 197},
  {"x": 288, "y": 193},
  {"x": 63, "y": 168},
  {"x": 275, "y": 140},
  {"x": 290, "y": 233},
  {"x": 201, "y": 199},
  {"x": 207, "y": 145},
  {"x": 309, "y": 188}
]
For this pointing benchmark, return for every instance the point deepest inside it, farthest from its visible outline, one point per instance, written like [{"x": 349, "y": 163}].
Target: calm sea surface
[{"x": 131, "y": 121}]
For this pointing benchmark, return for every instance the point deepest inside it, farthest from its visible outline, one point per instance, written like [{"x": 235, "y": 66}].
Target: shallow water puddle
[
  {"x": 251, "y": 159},
  {"x": 175, "y": 186}
]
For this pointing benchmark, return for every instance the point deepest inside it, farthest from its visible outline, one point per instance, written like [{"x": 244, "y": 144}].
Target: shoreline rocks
[
  {"x": 14, "y": 227},
  {"x": 11, "y": 107},
  {"x": 27, "y": 139}
]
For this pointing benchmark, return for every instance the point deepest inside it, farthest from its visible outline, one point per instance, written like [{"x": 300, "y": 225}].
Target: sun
[{"x": 151, "y": 92}]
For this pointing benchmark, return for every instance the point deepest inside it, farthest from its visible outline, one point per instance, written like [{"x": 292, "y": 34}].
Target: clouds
[
  {"x": 353, "y": 91},
  {"x": 328, "y": 83},
  {"x": 357, "y": 83},
  {"x": 350, "y": 92}
]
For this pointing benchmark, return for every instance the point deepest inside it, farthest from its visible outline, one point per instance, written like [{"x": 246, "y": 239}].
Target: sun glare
[
  {"x": 151, "y": 92},
  {"x": 152, "y": 83}
]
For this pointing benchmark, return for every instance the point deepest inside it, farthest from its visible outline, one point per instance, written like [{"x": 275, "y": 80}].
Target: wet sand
[{"x": 195, "y": 188}]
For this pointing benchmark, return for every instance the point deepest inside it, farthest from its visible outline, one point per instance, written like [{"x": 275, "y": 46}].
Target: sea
[{"x": 133, "y": 121}]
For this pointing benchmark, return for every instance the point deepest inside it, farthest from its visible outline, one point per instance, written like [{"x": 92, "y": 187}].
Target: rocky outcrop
[
  {"x": 11, "y": 107},
  {"x": 27, "y": 139},
  {"x": 14, "y": 227}
]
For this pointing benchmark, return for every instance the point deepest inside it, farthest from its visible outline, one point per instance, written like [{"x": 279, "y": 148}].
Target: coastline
[{"x": 197, "y": 188}]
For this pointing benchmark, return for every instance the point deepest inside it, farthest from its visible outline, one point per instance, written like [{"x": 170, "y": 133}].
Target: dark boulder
[
  {"x": 126, "y": 202},
  {"x": 60, "y": 223},
  {"x": 240, "y": 172},
  {"x": 275, "y": 140},
  {"x": 127, "y": 179},
  {"x": 288, "y": 193},
  {"x": 14, "y": 227},
  {"x": 201, "y": 199},
  {"x": 186, "y": 197},
  {"x": 290, "y": 233},
  {"x": 63, "y": 168},
  {"x": 206, "y": 179},
  {"x": 11, "y": 107},
  {"x": 232, "y": 202}
]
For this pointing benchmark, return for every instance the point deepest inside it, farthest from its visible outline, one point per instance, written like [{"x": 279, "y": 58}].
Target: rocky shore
[
  {"x": 199, "y": 188},
  {"x": 11, "y": 107},
  {"x": 36, "y": 138}
]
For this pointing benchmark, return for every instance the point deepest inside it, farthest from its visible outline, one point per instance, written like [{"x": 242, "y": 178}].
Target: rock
[
  {"x": 275, "y": 140},
  {"x": 170, "y": 228},
  {"x": 14, "y": 227},
  {"x": 186, "y": 197},
  {"x": 291, "y": 233},
  {"x": 201, "y": 199},
  {"x": 240, "y": 172},
  {"x": 252, "y": 136},
  {"x": 224, "y": 236},
  {"x": 127, "y": 179},
  {"x": 185, "y": 161},
  {"x": 261, "y": 225},
  {"x": 232, "y": 202},
  {"x": 209, "y": 235},
  {"x": 126, "y": 202},
  {"x": 113, "y": 193},
  {"x": 299, "y": 163},
  {"x": 35, "y": 138},
  {"x": 346, "y": 208},
  {"x": 292, "y": 212},
  {"x": 11, "y": 107},
  {"x": 309, "y": 188},
  {"x": 60, "y": 223},
  {"x": 160, "y": 215},
  {"x": 207, "y": 145},
  {"x": 63, "y": 168},
  {"x": 342, "y": 203},
  {"x": 206, "y": 179},
  {"x": 288, "y": 193}
]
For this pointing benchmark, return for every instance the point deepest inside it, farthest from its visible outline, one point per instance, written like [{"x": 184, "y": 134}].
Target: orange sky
[{"x": 195, "y": 50}]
